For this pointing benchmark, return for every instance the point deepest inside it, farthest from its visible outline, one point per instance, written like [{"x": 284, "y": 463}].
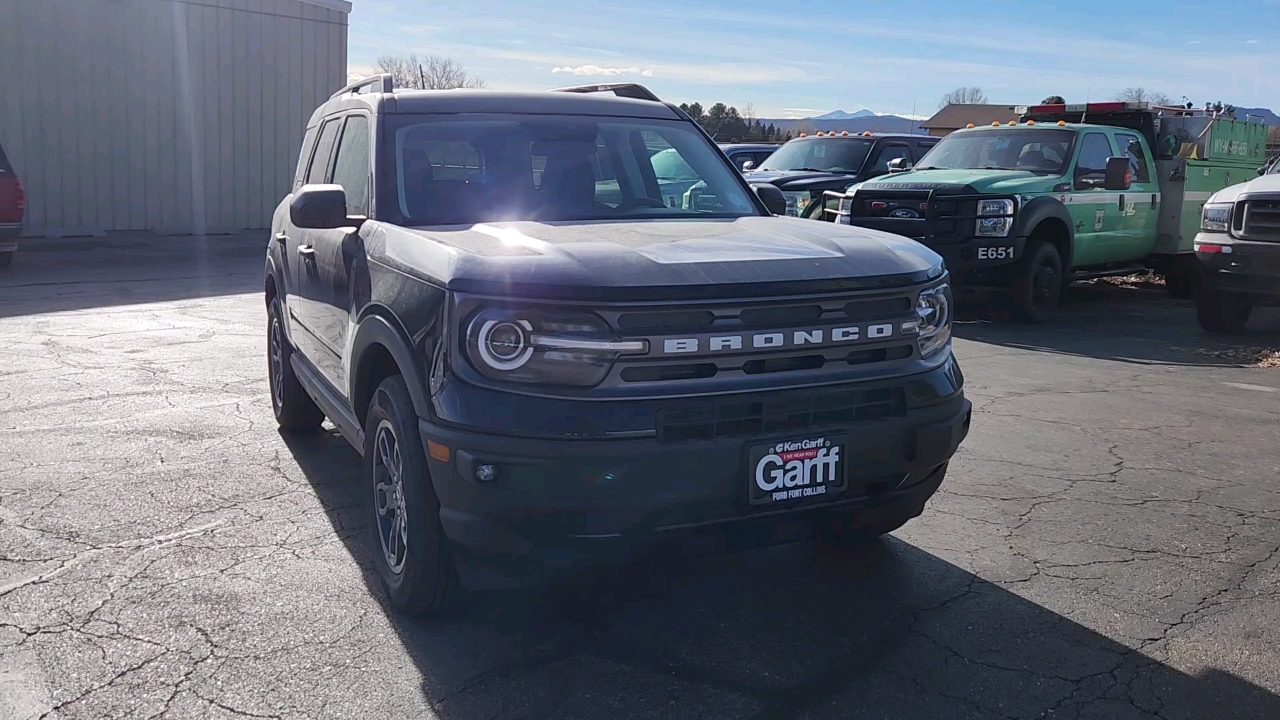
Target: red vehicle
[{"x": 12, "y": 206}]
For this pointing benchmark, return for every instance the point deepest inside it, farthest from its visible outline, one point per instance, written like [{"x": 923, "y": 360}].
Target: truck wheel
[
  {"x": 6, "y": 258},
  {"x": 1180, "y": 281},
  {"x": 1037, "y": 283},
  {"x": 412, "y": 552},
  {"x": 294, "y": 409},
  {"x": 1223, "y": 312}
]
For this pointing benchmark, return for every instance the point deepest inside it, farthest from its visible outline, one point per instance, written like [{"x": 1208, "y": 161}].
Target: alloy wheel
[
  {"x": 275, "y": 352},
  {"x": 388, "y": 496}
]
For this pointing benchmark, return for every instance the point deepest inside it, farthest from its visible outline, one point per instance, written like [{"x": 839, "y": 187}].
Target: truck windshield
[
  {"x": 1044, "y": 152},
  {"x": 446, "y": 170},
  {"x": 837, "y": 155}
]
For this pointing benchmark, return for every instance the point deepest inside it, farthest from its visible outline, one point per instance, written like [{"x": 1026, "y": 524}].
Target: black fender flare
[
  {"x": 1040, "y": 209},
  {"x": 375, "y": 329}
]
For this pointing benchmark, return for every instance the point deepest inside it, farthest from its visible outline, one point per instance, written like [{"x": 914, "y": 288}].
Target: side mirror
[
  {"x": 748, "y": 165},
  {"x": 898, "y": 165},
  {"x": 1118, "y": 177},
  {"x": 772, "y": 198},
  {"x": 1262, "y": 170},
  {"x": 319, "y": 207}
]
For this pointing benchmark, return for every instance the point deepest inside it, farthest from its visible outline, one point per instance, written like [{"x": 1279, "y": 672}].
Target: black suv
[
  {"x": 808, "y": 166},
  {"x": 543, "y": 361}
]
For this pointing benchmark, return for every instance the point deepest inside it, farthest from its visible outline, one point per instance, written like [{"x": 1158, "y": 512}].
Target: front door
[
  {"x": 337, "y": 255},
  {"x": 300, "y": 250},
  {"x": 1137, "y": 233},
  {"x": 1095, "y": 211}
]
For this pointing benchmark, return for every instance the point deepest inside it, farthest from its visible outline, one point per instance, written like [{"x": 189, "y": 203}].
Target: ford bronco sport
[{"x": 542, "y": 360}]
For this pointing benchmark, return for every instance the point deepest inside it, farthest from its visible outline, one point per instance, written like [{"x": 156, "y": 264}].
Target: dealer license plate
[{"x": 801, "y": 470}]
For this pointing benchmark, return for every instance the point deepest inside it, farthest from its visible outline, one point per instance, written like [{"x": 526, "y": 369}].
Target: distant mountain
[
  {"x": 842, "y": 115},
  {"x": 1268, "y": 117}
]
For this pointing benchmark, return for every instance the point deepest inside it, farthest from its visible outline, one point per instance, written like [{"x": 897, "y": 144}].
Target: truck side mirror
[
  {"x": 319, "y": 207},
  {"x": 898, "y": 165},
  {"x": 1117, "y": 177},
  {"x": 772, "y": 198},
  {"x": 748, "y": 166}
]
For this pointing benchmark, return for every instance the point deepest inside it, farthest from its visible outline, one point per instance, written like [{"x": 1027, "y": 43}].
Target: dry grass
[
  {"x": 1141, "y": 281},
  {"x": 1259, "y": 357}
]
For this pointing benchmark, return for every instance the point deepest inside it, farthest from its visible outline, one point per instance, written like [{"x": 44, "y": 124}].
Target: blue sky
[{"x": 886, "y": 56}]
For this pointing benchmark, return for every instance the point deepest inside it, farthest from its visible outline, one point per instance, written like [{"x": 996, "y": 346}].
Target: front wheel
[
  {"x": 1037, "y": 283},
  {"x": 412, "y": 552},
  {"x": 1223, "y": 312},
  {"x": 294, "y": 409}
]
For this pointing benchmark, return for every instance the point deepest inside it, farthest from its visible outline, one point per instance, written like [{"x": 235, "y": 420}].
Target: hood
[
  {"x": 654, "y": 259},
  {"x": 800, "y": 179},
  {"x": 1263, "y": 184},
  {"x": 981, "y": 181}
]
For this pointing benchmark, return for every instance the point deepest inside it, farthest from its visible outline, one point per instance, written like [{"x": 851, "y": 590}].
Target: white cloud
[
  {"x": 359, "y": 72},
  {"x": 597, "y": 70},
  {"x": 1251, "y": 42},
  {"x": 1194, "y": 42}
]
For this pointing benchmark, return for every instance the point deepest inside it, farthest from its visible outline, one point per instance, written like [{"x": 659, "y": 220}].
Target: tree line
[{"x": 726, "y": 124}]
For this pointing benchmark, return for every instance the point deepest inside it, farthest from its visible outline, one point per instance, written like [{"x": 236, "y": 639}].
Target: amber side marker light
[{"x": 438, "y": 451}]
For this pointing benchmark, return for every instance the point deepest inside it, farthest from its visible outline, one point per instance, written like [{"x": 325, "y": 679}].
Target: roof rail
[
  {"x": 386, "y": 80},
  {"x": 626, "y": 90}
]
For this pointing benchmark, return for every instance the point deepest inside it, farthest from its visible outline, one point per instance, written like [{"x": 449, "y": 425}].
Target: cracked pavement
[{"x": 1106, "y": 545}]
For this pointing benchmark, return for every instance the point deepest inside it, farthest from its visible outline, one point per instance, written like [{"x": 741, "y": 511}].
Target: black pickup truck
[{"x": 546, "y": 360}]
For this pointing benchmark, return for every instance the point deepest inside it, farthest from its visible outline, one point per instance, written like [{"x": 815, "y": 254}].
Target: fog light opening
[{"x": 486, "y": 473}]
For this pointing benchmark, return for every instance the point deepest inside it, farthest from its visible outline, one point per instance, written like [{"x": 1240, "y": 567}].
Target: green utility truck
[{"x": 1069, "y": 192}]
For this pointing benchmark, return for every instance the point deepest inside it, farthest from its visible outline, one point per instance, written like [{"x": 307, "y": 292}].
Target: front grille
[
  {"x": 738, "y": 417},
  {"x": 918, "y": 213},
  {"x": 1260, "y": 219}
]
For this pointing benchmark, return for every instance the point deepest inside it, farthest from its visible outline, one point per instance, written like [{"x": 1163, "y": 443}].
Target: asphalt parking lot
[{"x": 1107, "y": 544}]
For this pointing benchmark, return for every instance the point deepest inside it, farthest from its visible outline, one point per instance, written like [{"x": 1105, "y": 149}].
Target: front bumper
[
  {"x": 1251, "y": 266},
  {"x": 559, "y": 503}
]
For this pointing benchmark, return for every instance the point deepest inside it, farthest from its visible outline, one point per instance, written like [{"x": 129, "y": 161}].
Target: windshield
[
  {"x": 837, "y": 155},
  {"x": 1039, "y": 151},
  {"x": 442, "y": 170}
]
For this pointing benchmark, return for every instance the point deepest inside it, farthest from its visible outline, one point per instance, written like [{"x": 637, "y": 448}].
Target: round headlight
[{"x": 504, "y": 344}]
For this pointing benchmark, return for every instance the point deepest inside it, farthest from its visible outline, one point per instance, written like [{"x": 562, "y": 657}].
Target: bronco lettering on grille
[{"x": 816, "y": 337}]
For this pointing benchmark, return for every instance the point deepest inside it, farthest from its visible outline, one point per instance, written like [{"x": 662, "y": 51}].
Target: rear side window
[
  {"x": 888, "y": 154},
  {"x": 1094, "y": 151},
  {"x": 351, "y": 170},
  {"x": 922, "y": 148},
  {"x": 1132, "y": 148},
  {"x": 308, "y": 145},
  {"x": 324, "y": 149}
]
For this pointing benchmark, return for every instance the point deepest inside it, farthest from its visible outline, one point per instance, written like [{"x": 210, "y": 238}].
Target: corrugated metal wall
[{"x": 166, "y": 115}]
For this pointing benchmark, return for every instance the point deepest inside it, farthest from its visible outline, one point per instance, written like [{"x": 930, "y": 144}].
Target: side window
[
  {"x": 1137, "y": 158},
  {"x": 319, "y": 169},
  {"x": 887, "y": 154},
  {"x": 673, "y": 172},
  {"x": 760, "y": 157},
  {"x": 308, "y": 145},
  {"x": 924, "y": 147},
  {"x": 351, "y": 170},
  {"x": 1094, "y": 152}
]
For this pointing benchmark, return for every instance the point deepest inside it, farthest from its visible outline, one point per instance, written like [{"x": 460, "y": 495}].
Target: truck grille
[
  {"x": 917, "y": 214},
  {"x": 1259, "y": 219},
  {"x": 749, "y": 341},
  {"x": 739, "y": 417}
]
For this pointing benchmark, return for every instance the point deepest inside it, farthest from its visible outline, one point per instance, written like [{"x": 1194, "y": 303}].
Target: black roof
[
  {"x": 857, "y": 135},
  {"x": 490, "y": 101}
]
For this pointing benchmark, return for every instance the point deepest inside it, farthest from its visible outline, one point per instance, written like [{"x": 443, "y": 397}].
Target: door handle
[
  {"x": 280, "y": 237},
  {"x": 306, "y": 250}
]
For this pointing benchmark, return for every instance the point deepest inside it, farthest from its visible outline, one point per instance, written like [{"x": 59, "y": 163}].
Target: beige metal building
[{"x": 178, "y": 116}]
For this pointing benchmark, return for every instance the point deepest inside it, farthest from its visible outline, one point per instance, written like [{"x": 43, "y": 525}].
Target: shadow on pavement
[
  {"x": 1127, "y": 324},
  {"x": 56, "y": 275},
  {"x": 780, "y": 632}
]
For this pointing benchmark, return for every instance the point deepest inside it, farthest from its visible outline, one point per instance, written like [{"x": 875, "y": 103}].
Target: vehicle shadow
[
  {"x": 1132, "y": 324},
  {"x": 779, "y": 632},
  {"x": 56, "y": 275}
]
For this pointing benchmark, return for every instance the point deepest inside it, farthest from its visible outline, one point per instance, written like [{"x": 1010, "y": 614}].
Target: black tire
[
  {"x": 1223, "y": 312},
  {"x": 294, "y": 409},
  {"x": 6, "y": 258},
  {"x": 1037, "y": 283},
  {"x": 409, "y": 545},
  {"x": 1180, "y": 282}
]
